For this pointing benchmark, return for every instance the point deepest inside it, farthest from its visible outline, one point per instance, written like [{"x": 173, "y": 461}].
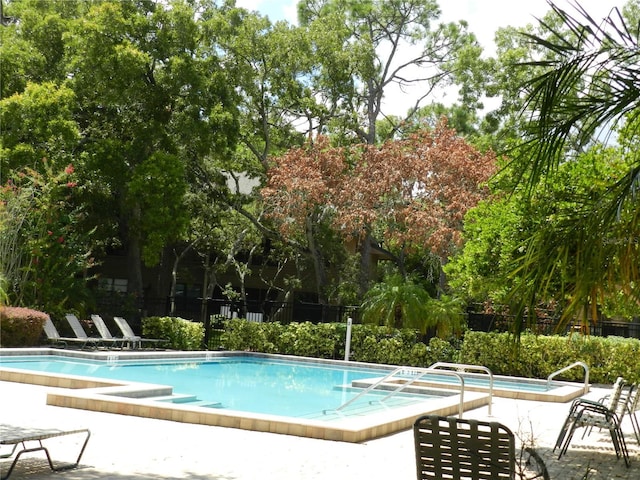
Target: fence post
[{"x": 347, "y": 342}]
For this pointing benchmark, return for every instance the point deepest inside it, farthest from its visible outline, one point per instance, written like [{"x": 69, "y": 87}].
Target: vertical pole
[{"x": 347, "y": 342}]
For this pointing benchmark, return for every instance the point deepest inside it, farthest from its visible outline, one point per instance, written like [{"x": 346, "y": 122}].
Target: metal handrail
[
  {"x": 465, "y": 367},
  {"x": 432, "y": 372},
  {"x": 369, "y": 388},
  {"x": 422, "y": 372},
  {"x": 569, "y": 367}
]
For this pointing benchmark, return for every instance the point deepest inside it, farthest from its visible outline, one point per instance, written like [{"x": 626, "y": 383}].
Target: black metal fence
[
  {"x": 602, "y": 328},
  {"x": 287, "y": 312},
  {"x": 266, "y": 311}
]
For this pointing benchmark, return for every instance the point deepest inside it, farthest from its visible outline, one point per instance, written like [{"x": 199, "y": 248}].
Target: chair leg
[
  {"x": 567, "y": 441},
  {"x": 623, "y": 446},
  {"x": 635, "y": 425},
  {"x": 563, "y": 431},
  {"x": 613, "y": 431}
]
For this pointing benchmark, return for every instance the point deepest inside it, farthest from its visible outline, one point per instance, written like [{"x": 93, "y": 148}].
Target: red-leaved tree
[{"x": 406, "y": 195}]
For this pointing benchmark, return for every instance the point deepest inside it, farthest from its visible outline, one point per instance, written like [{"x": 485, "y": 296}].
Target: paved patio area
[{"x": 134, "y": 448}]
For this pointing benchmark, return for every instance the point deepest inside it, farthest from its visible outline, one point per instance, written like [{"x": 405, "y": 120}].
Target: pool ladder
[
  {"x": 417, "y": 374},
  {"x": 569, "y": 367}
]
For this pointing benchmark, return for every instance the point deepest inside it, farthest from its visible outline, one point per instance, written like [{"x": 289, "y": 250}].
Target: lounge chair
[
  {"x": 105, "y": 333},
  {"x": 79, "y": 332},
  {"x": 606, "y": 413},
  {"x": 54, "y": 337},
  {"x": 454, "y": 448},
  {"x": 127, "y": 332},
  {"x": 31, "y": 440}
]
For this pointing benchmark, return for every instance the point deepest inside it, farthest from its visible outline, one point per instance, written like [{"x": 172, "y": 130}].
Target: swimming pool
[
  {"x": 244, "y": 383},
  {"x": 139, "y": 394}
]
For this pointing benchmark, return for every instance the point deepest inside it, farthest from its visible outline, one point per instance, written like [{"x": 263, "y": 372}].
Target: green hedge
[
  {"x": 21, "y": 327},
  {"x": 538, "y": 356},
  {"x": 532, "y": 356},
  {"x": 182, "y": 334},
  {"x": 369, "y": 343}
]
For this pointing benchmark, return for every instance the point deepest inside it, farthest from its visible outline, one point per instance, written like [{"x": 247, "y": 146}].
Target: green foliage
[
  {"x": 37, "y": 123},
  {"x": 533, "y": 247},
  {"x": 20, "y": 327},
  {"x": 4, "y": 296},
  {"x": 589, "y": 247},
  {"x": 538, "y": 356},
  {"x": 165, "y": 215},
  {"x": 399, "y": 302},
  {"x": 396, "y": 302},
  {"x": 369, "y": 343},
  {"x": 182, "y": 334},
  {"x": 44, "y": 256},
  {"x": 251, "y": 336},
  {"x": 535, "y": 356}
]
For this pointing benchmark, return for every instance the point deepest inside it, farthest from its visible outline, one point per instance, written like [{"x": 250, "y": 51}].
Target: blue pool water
[{"x": 249, "y": 384}]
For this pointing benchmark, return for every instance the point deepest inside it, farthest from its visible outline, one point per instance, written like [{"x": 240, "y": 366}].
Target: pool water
[{"x": 249, "y": 384}]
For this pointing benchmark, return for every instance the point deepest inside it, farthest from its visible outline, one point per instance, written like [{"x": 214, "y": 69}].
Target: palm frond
[{"x": 591, "y": 82}]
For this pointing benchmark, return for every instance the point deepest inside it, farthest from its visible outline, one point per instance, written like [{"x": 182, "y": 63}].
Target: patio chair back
[
  {"x": 102, "y": 328},
  {"x": 50, "y": 329},
  {"x": 613, "y": 400},
  {"x": 454, "y": 448},
  {"x": 124, "y": 326},
  {"x": 76, "y": 326}
]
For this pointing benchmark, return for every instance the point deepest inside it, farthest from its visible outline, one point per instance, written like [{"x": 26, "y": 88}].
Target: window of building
[{"x": 113, "y": 284}]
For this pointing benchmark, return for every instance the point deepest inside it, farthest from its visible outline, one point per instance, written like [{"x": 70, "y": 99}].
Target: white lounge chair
[
  {"x": 54, "y": 337},
  {"x": 79, "y": 332},
  {"x": 105, "y": 333},
  {"x": 127, "y": 332}
]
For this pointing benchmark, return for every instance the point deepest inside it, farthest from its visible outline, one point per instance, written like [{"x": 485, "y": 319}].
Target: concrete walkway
[{"x": 133, "y": 448}]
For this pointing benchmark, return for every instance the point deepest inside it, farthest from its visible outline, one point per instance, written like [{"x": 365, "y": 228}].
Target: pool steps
[{"x": 186, "y": 399}]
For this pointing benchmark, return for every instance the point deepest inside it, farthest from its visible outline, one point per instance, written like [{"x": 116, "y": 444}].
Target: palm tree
[
  {"x": 401, "y": 302},
  {"x": 396, "y": 302},
  {"x": 590, "y": 89}
]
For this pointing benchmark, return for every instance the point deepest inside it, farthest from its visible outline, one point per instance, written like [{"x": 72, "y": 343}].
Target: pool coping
[{"x": 128, "y": 398}]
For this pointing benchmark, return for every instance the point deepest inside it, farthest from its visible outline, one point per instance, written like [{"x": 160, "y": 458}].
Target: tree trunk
[
  {"x": 204, "y": 305},
  {"x": 174, "y": 276},
  {"x": 135, "y": 286},
  {"x": 318, "y": 262},
  {"x": 365, "y": 264}
]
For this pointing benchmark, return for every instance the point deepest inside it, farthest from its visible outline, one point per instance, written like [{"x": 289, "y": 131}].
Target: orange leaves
[{"x": 413, "y": 192}]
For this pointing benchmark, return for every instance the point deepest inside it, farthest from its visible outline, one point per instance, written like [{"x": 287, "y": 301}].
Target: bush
[
  {"x": 182, "y": 334},
  {"x": 533, "y": 356},
  {"x": 369, "y": 343},
  {"x": 538, "y": 356},
  {"x": 20, "y": 327}
]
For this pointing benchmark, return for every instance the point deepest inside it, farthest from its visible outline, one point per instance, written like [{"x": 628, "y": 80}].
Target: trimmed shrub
[
  {"x": 369, "y": 343},
  {"x": 533, "y": 356},
  {"x": 182, "y": 334},
  {"x": 21, "y": 327},
  {"x": 538, "y": 356}
]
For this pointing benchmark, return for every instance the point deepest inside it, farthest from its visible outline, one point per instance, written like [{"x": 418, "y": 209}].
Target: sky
[{"x": 483, "y": 16}]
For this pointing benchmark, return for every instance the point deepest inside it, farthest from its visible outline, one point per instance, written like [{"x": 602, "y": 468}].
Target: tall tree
[
  {"x": 409, "y": 194},
  {"x": 361, "y": 49},
  {"x": 588, "y": 86},
  {"x": 153, "y": 100}
]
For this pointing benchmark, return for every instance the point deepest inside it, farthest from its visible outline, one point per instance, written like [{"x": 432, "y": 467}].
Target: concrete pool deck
[{"x": 133, "y": 448}]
